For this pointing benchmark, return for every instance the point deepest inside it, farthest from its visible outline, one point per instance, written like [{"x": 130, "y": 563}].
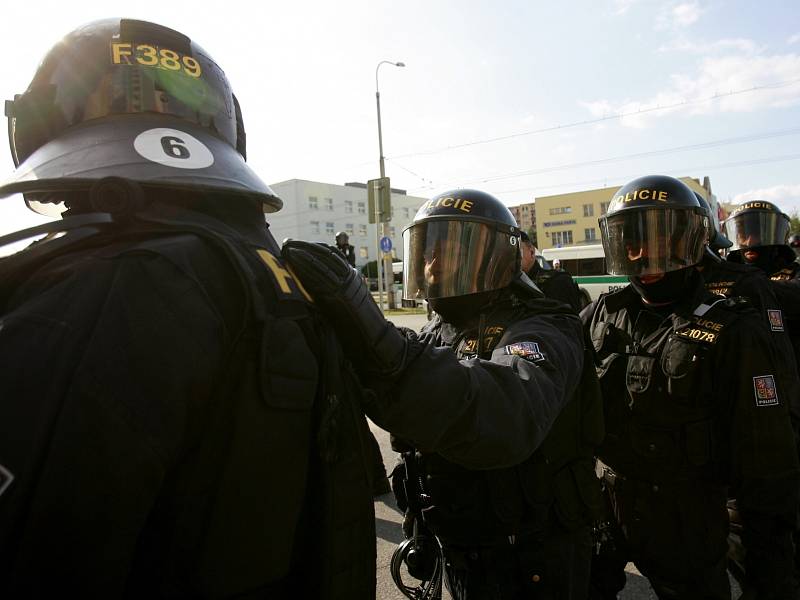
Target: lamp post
[{"x": 387, "y": 260}]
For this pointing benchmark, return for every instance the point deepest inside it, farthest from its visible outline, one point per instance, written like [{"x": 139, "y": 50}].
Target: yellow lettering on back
[
  {"x": 662, "y": 195},
  {"x": 282, "y": 276},
  {"x": 466, "y": 206}
]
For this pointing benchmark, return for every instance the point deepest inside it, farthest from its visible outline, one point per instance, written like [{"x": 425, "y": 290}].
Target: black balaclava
[
  {"x": 770, "y": 258},
  {"x": 460, "y": 310},
  {"x": 668, "y": 289}
]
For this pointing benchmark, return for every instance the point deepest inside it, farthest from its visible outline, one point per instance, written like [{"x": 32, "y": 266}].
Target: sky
[{"x": 517, "y": 98}]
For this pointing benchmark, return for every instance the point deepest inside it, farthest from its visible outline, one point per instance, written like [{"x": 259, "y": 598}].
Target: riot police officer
[
  {"x": 505, "y": 406},
  {"x": 175, "y": 421},
  {"x": 556, "y": 284},
  {"x": 347, "y": 250},
  {"x": 794, "y": 243},
  {"x": 694, "y": 409}
]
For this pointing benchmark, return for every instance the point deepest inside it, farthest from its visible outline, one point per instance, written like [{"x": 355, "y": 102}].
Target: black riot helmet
[
  {"x": 757, "y": 223},
  {"x": 716, "y": 240},
  {"x": 128, "y": 100},
  {"x": 342, "y": 237},
  {"x": 654, "y": 224},
  {"x": 461, "y": 242}
]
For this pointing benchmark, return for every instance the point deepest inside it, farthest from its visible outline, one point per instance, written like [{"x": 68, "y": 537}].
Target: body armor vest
[
  {"x": 469, "y": 507},
  {"x": 662, "y": 425},
  {"x": 287, "y": 388}
]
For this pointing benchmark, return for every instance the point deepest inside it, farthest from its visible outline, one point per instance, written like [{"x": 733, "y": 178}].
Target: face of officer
[
  {"x": 528, "y": 251},
  {"x": 640, "y": 252},
  {"x": 749, "y": 240},
  {"x": 437, "y": 257}
]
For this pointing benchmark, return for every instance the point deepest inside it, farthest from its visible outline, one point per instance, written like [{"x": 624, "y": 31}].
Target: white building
[{"x": 315, "y": 212}]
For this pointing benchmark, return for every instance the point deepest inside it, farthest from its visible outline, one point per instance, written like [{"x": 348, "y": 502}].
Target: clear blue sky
[{"x": 479, "y": 70}]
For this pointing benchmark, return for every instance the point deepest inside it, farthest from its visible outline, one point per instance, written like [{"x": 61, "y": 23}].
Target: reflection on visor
[
  {"x": 135, "y": 78},
  {"x": 455, "y": 258},
  {"x": 653, "y": 241},
  {"x": 753, "y": 229}
]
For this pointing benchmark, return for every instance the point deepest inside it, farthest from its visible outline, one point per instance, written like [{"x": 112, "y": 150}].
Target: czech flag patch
[
  {"x": 775, "y": 320},
  {"x": 527, "y": 350},
  {"x": 765, "y": 390}
]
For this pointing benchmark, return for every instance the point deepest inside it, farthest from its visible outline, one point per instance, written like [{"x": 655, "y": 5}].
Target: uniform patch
[
  {"x": 775, "y": 320},
  {"x": 527, "y": 350},
  {"x": 698, "y": 334},
  {"x": 765, "y": 392},
  {"x": 6, "y": 478}
]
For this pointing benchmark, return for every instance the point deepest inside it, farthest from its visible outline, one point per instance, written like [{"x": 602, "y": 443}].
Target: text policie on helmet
[
  {"x": 696, "y": 394},
  {"x": 166, "y": 426},
  {"x": 510, "y": 409}
]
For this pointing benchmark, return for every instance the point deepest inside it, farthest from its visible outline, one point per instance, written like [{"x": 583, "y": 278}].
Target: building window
[
  {"x": 391, "y": 231},
  {"x": 312, "y": 203},
  {"x": 348, "y": 228},
  {"x": 362, "y": 209},
  {"x": 603, "y": 208},
  {"x": 362, "y": 230},
  {"x": 348, "y": 206},
  {"x": 314, "y": 226},
  {"x": 560, "y": 210},
  {"x": 562, "y": 238},
  {"x": 588, "y": 210},
  {"x": 590, "y": 234},
  {"x": 329, "y": 228},
  {"x": 363, "y": 252},
  {"x": 407, "y": 212},
  {"x": 328, "y": 203}
]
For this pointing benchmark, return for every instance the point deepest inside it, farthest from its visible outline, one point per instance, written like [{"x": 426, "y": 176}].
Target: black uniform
[
  {"x": 511, "y": 489},
  {"x": 557, "y": 284},
  {"x": 176, "y": 422},
  {"x": 694, "y": 411},
  {"x": 732, "y": 279},
  {"x": 349, "y": 253}
]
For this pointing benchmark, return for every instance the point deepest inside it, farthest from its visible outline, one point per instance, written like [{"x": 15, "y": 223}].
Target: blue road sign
[{"x": 386, "y": 244}]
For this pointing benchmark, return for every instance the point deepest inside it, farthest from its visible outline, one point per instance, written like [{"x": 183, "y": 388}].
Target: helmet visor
[
  {"x": 656, "y": 240},
  {"x": 455, "y": 258},
  {"x": 146, "y": 71},
  {"x": 757, "y": 228}
]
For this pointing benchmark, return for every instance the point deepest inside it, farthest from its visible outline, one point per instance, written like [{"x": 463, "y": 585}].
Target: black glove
[{"x": 373, "y": 344}]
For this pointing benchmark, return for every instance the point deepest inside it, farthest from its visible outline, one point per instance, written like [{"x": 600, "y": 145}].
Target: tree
[{"x": 794, "y": 222}]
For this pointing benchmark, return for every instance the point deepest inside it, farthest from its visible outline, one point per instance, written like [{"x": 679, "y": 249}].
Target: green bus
[{"x": 587, "y": 265}]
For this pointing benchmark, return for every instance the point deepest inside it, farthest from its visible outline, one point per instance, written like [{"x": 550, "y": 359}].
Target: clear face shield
[
  {"x": 752, "y": 229},
  {"x": 653, "y": 241},
  {"x": 443, "y": 259}
]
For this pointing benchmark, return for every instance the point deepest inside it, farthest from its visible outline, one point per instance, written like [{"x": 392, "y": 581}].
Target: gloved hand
[{"x": 373, "y": 344}]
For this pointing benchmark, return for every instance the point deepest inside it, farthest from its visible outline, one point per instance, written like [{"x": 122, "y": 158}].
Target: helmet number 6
[{"x": 174, "y": 147}]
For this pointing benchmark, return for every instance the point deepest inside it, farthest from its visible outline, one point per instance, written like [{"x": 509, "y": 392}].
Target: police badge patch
[
  {"x": 527, "y": 350},
  {"x": 5, "y": 479},
  {"x": 775, "y": 320},
  {"x": 765, "y": 392}
]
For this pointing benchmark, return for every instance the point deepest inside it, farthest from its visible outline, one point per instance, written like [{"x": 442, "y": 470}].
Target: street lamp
[{"x": 387, "y": 261}]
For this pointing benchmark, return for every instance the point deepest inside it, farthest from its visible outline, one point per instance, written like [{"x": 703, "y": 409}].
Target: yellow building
[{"x": 571, "y": 219}]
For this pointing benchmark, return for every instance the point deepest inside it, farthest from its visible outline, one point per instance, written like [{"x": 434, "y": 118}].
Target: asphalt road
[{"x": 388, "y": 518}]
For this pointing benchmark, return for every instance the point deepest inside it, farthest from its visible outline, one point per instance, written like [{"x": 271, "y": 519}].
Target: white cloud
[
  {"x": 677, "y": 15},
  {"x": 785, "y": 196},
  {"x": 622, "y": 6},
  {"x": 794, "y": 39},
  {"x": 683, "y": 44},
  {"x": 690, "y": 93}
]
